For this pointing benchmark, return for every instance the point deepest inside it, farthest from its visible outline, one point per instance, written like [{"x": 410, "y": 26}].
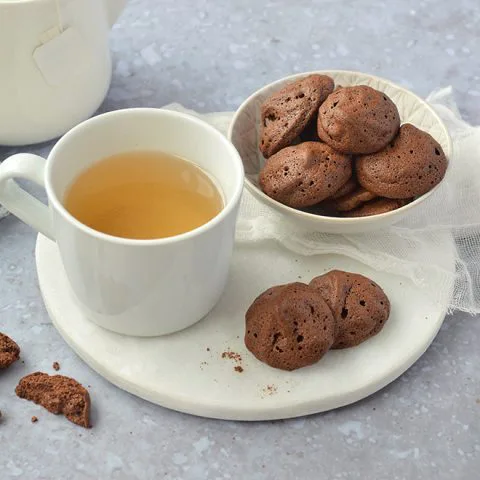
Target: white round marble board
[{"x": 186, "y": 372}]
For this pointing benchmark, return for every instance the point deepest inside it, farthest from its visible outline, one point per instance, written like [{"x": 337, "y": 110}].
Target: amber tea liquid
[{"x": 143, "y": 195}]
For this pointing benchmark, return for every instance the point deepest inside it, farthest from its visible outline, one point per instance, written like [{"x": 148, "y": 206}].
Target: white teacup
[{"x": 134, "y": 287}]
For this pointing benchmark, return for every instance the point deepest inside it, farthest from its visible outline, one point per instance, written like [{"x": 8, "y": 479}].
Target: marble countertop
[{"x": 209, "y": 56}]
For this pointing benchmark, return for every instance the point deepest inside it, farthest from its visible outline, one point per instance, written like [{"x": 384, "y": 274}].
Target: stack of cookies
[
  {"x": 291, "y": 326},
  {"x": 343, "y": 152}
]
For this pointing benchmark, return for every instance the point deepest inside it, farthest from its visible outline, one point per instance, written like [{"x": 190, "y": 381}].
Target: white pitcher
[{"x": 55, "y": 65}]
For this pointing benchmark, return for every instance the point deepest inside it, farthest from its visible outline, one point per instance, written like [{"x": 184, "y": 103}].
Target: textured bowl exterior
[{"x": 245, "y": 130}]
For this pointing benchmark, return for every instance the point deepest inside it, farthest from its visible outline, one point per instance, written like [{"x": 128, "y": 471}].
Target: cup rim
[
  {"x": 229, "y": 206},
  {"x": 251, "y": 187}
]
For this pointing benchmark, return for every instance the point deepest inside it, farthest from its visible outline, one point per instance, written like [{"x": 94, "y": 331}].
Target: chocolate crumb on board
[
  {"x": 56, "y": 366},
  {"x": 34, "y": 419},
  {"x": 232, "y": 355},
  {"x": 236, "y": 357},
  {"x": 208, "y": 349},
  {"x": 270, "y": 390}
]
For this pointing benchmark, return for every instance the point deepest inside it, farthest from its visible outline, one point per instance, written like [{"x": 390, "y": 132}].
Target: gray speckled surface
[{"x": 209, "y": 56}]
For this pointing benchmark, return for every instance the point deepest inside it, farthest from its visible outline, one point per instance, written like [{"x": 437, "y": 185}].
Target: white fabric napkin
[{"x": 413, "y": 248}]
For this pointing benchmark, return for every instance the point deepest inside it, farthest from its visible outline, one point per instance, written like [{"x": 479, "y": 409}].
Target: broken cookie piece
[
  {"x": 58, "y": 394},
  {"x": 9, "y": 351}
]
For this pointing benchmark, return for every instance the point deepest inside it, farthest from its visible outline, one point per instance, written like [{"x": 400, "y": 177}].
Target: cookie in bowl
[
  {"x": 348, "y": 187},
  {"x": 305, "y": 174},
  {"x": 286, "y": 113},
  {"x": 358, "y": 120},
  {"x": 376, "y": 207},
  {"x": 410, "y": 166},
  {"x": 352, "y": 200}
]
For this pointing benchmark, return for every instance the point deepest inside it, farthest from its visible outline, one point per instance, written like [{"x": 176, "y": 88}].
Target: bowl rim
[{"x": 324, "y": 218}]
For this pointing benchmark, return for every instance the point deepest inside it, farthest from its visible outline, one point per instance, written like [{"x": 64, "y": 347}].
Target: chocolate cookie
[
  {"x": 411, "y": 165},
  {"x": 286, "y": 113},
  {"x": 289, "y": 327},
  {"x": 359, "y": 306},
  {"x": 9, "y": 351},
  {"x": 305, "y": 174},
  {"x": 58, "y": 394},
  {"x": 358, "y": 120},
  {"x": 309, "y": 134},
  {"x": 375, "y": 207},
  {"x": 352, "y": 200},
  {"x": 348, "y": 187}
]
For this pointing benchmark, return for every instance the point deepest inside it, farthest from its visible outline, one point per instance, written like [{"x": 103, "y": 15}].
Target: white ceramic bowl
[{"x": 245, "y": 129}]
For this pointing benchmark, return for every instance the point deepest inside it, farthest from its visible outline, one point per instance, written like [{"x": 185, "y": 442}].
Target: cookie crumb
[
  {"x": 56, "y": 366},
  {"x": 34, "y": 419},
  {"x": 236, "y": 357},
  {"x": 270, "y": 390},
  {"x": 208, "y": 349},
  {"x": 232, "y": 356}
]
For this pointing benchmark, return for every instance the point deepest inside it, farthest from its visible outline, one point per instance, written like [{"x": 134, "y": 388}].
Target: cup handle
[{"x": 23, "y": 205}]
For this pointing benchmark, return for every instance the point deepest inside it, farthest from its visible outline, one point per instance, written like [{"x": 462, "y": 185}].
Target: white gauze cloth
[{"x": 412, "y": 248}]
